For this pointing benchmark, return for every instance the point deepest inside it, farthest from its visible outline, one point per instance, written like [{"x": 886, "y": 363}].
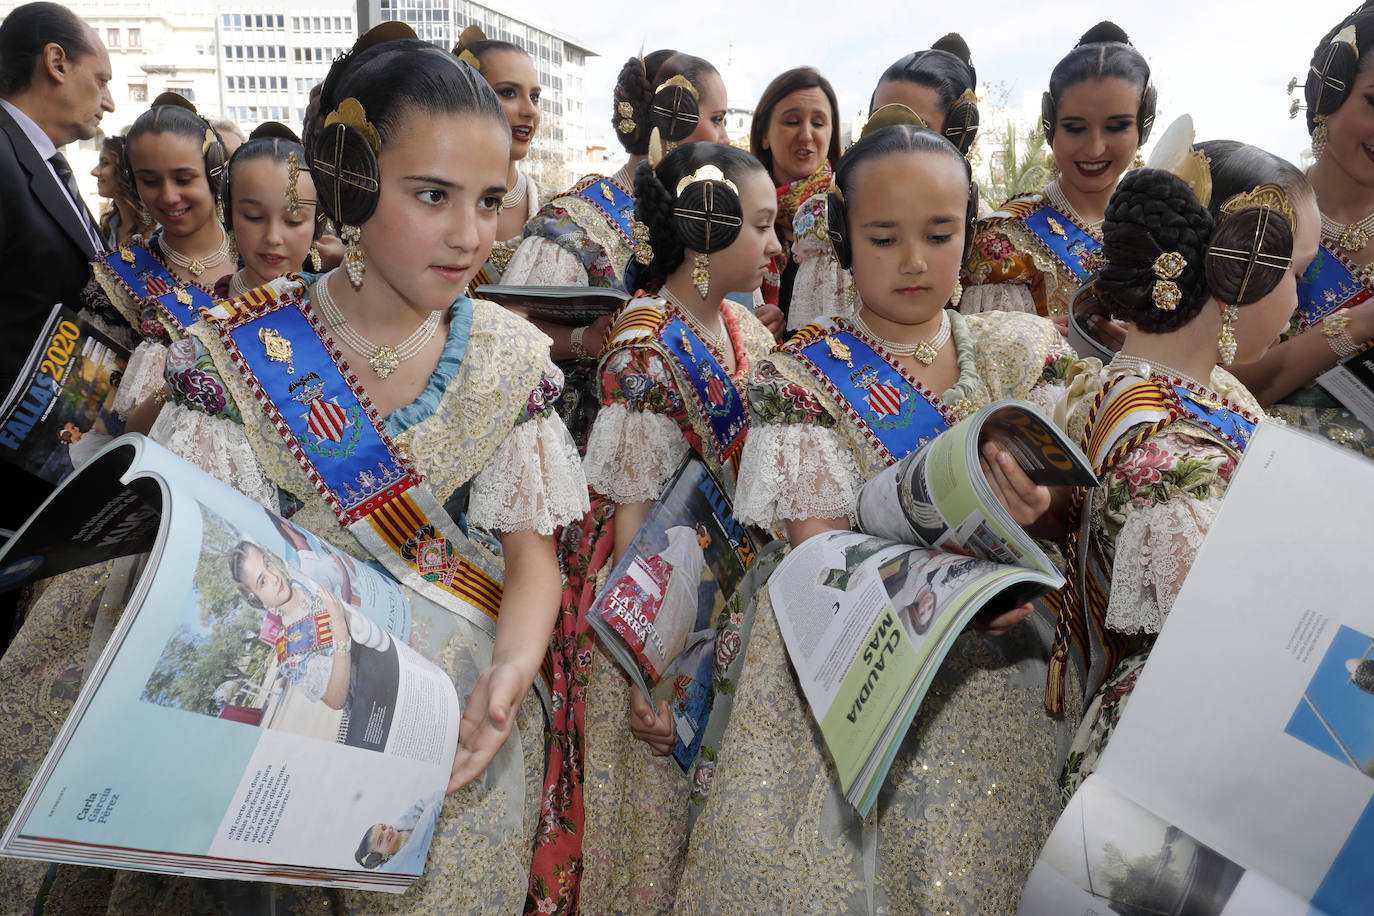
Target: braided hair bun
[{"x": 1336, "y": 63}]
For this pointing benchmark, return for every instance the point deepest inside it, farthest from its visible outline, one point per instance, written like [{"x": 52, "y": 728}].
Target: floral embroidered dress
[
  {"x": 484, "y": 434},
  {"x": 1332, "y": 283},
  {"x": 580, "y": 238},
  {"x": 782, "y": 279},
  {"x": 613, "y": 827},
  {"x": 1147, "y": 520},
  {"x": 1028, "y": 256},
  {"x": 970, "y": 798}
]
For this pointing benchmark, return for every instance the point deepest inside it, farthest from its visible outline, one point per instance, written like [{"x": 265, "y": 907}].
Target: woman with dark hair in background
[
  {"x": 672, "y": 381},
  {"x": 1202, "y": 266},
  {"x": 1037, "y": 249},
  {"x": 122, "y": 219},
  {"x": 508, "y": 69},
  {"x": 583, "y": 237},
  {"x": 776, "y": 828},
  {"x": 936, "y": 88},
  {"x": 1334, "y": 297},
  {"x": 796, "y": 135}
]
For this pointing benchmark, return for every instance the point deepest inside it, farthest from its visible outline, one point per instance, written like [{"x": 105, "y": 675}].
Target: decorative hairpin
[
  {"x": 627, "y": 117},
  {"x": 1175, "y": 153},
  {"x": 678, "y": 80},
  {"x": 891, "y": 115},
  {"x": 706, "y": 172},
  {"x": 293, "y": 174},
  {"x": 470, "y": 36},
  {"x": 1265, "y": 195},
  {"x": 644, "y": 252},
  {"x": 350, "y": 112},
  {"x": 1168, "y": 267}
]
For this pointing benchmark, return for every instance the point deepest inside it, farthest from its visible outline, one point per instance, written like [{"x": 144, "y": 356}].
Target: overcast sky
[{"x": 1225, "y": 63}]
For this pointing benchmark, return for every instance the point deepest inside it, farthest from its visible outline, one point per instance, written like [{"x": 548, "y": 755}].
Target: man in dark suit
[{"x": 54, "y": 88}]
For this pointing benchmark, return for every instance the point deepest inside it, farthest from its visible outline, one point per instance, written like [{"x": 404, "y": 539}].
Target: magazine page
[
  {"x": 1109, "y": 855},
  {"x": 938, "y": 496},
  {"x": 264, "y": 707},
  {"x": 1352, "y": 383},
  {"x": 657, "y": 613},
  {"x": 1252, "y": 726},
  {"x": 59, "y": 412},
  {"x": 867, "y": 623},
  {"x": 570, "y": 305}
]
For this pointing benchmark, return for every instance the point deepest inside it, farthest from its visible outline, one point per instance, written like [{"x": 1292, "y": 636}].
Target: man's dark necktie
[{"x": 64, "y": 174}]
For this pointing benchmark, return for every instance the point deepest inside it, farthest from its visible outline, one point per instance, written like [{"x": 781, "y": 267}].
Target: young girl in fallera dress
[
  {"x": 470, "y": 406},
  {"x": 970, "y": 797},
  {"x": 1199, "y": 283},
  {"x": 708, "y": 210}
]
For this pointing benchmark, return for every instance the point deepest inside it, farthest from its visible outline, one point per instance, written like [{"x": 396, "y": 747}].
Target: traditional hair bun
[
  {"x": 342, "y": 150},
  {"x": 632, "y": 98},
  {"x": 274, "y": 129},
  {"x": 707, "y": 215},
  {"x": 675, "y": 110},
  {"x": 1104, "y": 31},
  {"x": 1234, "y": 275},
  {"x": 954, "y": 43},
  {"x": 1334, "y": 65}
]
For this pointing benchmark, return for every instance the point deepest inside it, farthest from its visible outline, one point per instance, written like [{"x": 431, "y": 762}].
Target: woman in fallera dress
[
  {"x": 1335, "y": 315},
  {"x": 1037, "y": 249},
  {"x": 970, "y": 797},
  {"x": 582, "y": 237},
  {"x": 1201, "y": 282},
  {"x": 673, "y": 382}
]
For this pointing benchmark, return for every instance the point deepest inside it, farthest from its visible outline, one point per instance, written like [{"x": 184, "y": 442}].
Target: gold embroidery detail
[
  {"x": 839, "y": 351},
  {"x": 278, "y": 348}
]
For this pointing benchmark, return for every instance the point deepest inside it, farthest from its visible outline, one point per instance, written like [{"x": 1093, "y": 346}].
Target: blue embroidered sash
[
  {"x": 1234, "y": 426},
  {"x": 1332, "y": 282},
  {"x": 619, "y": 209},
  {"x": 334, "y": 433},
  {"x": 143, "y": 277},
  {"x": 1071, "y": 245},
  {"x": 715, "y": 394},
  {"x": 894, "y": 413}
]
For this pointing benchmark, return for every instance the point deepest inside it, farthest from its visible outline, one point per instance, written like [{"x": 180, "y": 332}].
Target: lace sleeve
[
  {"x": 632, "y": 453},
  {"x": 143, "y": 376},
  {"x": 534, "y": 481},
  {"x": 541, "y": 262},
  {"x": 218, "y": 446},
  {"x": 997, "y": 297},
  {"x": 795, "y": 471},
  {"x": 1154, "y": 552}
]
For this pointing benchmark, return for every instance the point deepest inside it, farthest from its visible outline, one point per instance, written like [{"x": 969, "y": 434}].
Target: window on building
[
  {"x": 138, "y": 92},
  {"x": 348, "y": 23},
  {"x": 281, "y": 52},
  {"x": 295, "y": 23},
  {"x": 227, "y": 20},
  {"x": 298, "y": 55},
  {"x": 252, "y": 82},
  {"x": 338, "y": 23},
  {"x": 250, "y": 52},
  {"x": 316, "y": 23},
  {"x": 281, "y": 22},
  {"x": 112, "y": 38},
  {"x": 271, "y": 52},
  {"x": 186, "y": 92},
  {"x": 238, "y": 20},
  {"x": 243, "y": 82},
  {"x": 135, "y": 38},
  {"x": 258, "y": 21}
]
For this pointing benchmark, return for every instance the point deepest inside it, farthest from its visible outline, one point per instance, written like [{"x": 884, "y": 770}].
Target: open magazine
[
  {"x": 266, "y": 707},
  {"x": 59, "y": 411},
  {"x": 1351, "y": 382},
  {"x": 868, "y": 618},
  {"x": 1240, "y": 778},
  {"x": 570, "y": 305},
  {"x": 658, "y": 611}
]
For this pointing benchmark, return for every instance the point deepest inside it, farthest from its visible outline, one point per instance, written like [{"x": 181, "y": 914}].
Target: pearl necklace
[
  {"x": 712, "y": 339},
  {"x": 237, "y": 287},
  {"x": 925, "y": 351},
  {"x": 516, "y": 195},
  {"x": 198, "y": 266},
  {"x": 1123, "y": 359},
  {"x": 1061, "y": 203},
  {"x": 1351, "y": 237},
  {"x": 384, "y": 360}
]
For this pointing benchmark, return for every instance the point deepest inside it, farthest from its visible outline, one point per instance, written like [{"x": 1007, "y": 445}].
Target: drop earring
[
  {"x": 957, "y": 297},
  {"x": 316, "y": 261},
  {"x": 1319, "y": 138},
  {"x": 1226, "y": 340},
  {"x": 701, "y": 274},
  {"x": 354, "y": 266}
]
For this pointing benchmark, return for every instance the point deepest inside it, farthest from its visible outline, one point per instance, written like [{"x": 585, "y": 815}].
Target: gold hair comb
[{"x": 350, "y": 112}]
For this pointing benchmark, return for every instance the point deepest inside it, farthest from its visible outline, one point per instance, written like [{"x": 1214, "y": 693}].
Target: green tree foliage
[{"x": 1016, "y": 166}]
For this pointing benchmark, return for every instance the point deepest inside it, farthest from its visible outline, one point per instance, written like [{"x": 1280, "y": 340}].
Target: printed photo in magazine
[
  {"x": 658, "y": 611},
  {"x": 266, "y": 707}
]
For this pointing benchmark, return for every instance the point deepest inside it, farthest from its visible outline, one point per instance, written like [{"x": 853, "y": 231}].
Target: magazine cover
[
  {"x": 267, "y": 706},
  {"x": 58, "y": 414},
  {"x": 658, "y": 611}
]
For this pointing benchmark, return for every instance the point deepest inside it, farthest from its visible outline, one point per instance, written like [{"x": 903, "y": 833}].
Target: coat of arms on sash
[
  {"x": 156, "y": 286},
  {"x": 883, "y": 400},
  {"x": 325, "y": 419}
]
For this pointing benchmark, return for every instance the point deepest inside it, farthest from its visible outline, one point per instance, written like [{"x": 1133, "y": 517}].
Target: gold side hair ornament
[
  {"x": 644, "y": 252},
  {"x": 1175, "y": 153},
  {"x": 627, "y": 117},
  {"x": 293, "y": 175},
  {"x": 890, "y": 116},
  {"x": 705, "y": 173},
  {"x": 672, "y": 105},
  {"x": 678, "y": 80},
  {"x": 470, "y": 36},
  {"x": 1253, "y": 257},
  {"x": 1168, "y": 267},
  {"x": 1265, "y": 195},
  {"x": 209, "y": 141},
  {"x": 350, "y": 112},
  {"x": 655, "y": 149}
]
